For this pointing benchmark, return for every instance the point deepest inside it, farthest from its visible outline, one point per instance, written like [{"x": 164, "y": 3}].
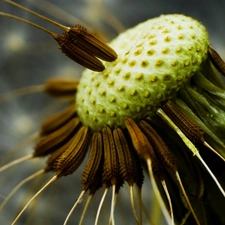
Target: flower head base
[
  {"x": 158, "y": 98},
  {"x": 155, "y": 59}
]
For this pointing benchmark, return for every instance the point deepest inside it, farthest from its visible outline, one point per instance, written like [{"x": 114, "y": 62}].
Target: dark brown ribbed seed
[
  {"x": 187, "y": 126},
  {"x": 55, "y": 155},
  {"x": 77, "y": 54},
  {"x": 71, "y": 159},
  {"x": 56, "y": 139},
  {"x": 91, "y": 44},
  {"x": 216, "y": 60},
  {"x": 61, "y": 87},
  {"x": 91, "y": 177},
  {"x": 130, "y": 166},
  {"x": 139, "y": 141},
  {"x": 84, "y": 48},
  {"x": 142, "y": 146},
  {"x": 159, "y": 145},
  {"x": 111, "y": 164},
  {"x": 58, "y": 120}
]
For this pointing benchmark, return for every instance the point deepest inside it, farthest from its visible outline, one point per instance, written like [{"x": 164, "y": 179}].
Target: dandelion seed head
[
  {"x": 113, "y": 85},
  {"x": 140, "y": 72}
]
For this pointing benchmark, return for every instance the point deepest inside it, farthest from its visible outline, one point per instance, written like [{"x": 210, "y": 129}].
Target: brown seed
[
  {"x": 84, "y": 48},
  {"x": 187, "y": 126},
  {"x": 143, "y": 147},
  {"x": 130, "y": 166},
  {"x": 139, "y": 140},
  {"x": 57, "y": 153},
  {"x": 159, "y": 145},
  {"x": 91, "y": 177},
  {"x": 58, "y": 120},
  {"x": 216, "y": 60},
  {"x": 77, "y": 43},
  {"x": 111, "y": 164},
  {"x": 77, "y": 54},
  {"x": 91, "y": 44},
  {"x": 71, "y": 159},
  {"x": 61, "y": 87},
  {"x": 56, "y": 139}
]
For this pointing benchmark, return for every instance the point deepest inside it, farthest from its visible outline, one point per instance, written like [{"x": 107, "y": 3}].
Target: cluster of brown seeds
[{"x": 119, "y": 154}]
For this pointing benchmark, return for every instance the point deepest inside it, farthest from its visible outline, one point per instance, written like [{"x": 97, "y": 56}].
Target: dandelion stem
[
  {"x": 186, "y": 197},
  {"x": 26, "y": 21},
  {"x": 15, "y": 162},
  {"x": 74, "y": 206},
  {"x": 85, "y": 209},
  {"x": 212, "y": 175},
  {"x": 100, "y": 206},
  {"x": 157, "y": 193},
  {"x": 54, "y": 10},
  {"x": 19, "y": 185},
  {"x": 54, "y": 178},
  {"x": 163, "y": 182},
  {"x": 113, "y": 204},
  {"x": 132, "y": 204},
  {"x": 213, "y": 150},
  {"x": 38, "y": 15}
]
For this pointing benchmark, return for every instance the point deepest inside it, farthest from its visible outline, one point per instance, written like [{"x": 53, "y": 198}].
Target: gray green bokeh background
[{"x": 29, "y": 56}]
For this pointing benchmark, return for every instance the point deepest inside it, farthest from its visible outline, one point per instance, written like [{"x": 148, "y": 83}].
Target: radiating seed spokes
[
  {"x": 107, "y": 141},
  {"x": 113, "y": 159}
]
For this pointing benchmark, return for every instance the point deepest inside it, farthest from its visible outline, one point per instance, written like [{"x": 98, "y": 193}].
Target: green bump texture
[{"x": 155, "y": 59}]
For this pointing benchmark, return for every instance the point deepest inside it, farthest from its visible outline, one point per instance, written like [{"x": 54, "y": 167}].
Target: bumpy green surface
[{"x": 154, "y": 60}]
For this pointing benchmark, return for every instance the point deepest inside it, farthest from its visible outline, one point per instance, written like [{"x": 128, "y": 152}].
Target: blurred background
[{"x": 29, "y": 56}]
